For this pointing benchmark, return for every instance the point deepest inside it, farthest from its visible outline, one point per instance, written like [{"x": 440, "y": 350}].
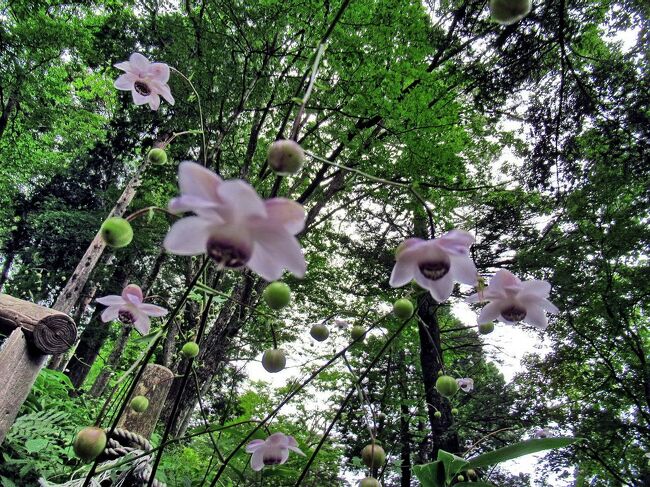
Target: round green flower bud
[
  {"x": 319, "y": 332},
  {"x": 139, "y": 404},
  {"x": 157, "y": 156},
  {"x": 89, "y": 443},
  {"x": 446, "y": 386},
  {"x": 403, "y": 308},
  {"x": 454, "y": 411},
  {"x": 471, "y": 473},
  {"x": 486, "y": 328},
  {"x": 277, "y": 295},
  {"x": 461, "y": 478},
  {"x": 274, "y": 360},
  {"x": 286, "y": 157},
  {"x": 116, "y": 232},
  {"x": 508, "y": 12},
  {"x": 437, "y": 414},
  {"x": 373, "y": 455},
  {"x": 440, "y": 373},
  {"x": 190, "y": 350},
  {"x": 357, "y": 332},
  {"x": 369, "y": 482}
]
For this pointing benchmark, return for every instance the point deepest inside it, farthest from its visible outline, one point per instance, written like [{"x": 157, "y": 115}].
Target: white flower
[
  {"x": 435, "y": 264},
  {"x": 146, "y": 81},
  {"x": 465, "y": 384},
  {"x": 272, "y": 451},
  {"x": 129, "y": 309},
  {"x": 234, "y": 226},
  {"x": 512, "y": 300}
]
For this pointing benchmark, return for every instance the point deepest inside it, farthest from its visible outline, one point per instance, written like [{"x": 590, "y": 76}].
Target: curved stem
[
  {"x": 142, "y": 211},
  {"x": 198, "y": 99},
  {"x": 177, "y": 134},
  {"x": 347, "y": 399},
  {"x": 288, "y": 398}
]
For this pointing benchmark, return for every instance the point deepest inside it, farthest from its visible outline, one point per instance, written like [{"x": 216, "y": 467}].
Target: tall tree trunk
[
  {"x": 443, "y": 436},
  {"x": 69, "y": 296},
  {"x": 104, "y": 376}
]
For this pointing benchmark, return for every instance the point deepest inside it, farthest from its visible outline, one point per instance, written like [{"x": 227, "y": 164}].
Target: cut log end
[{"x": 55, "y": 334}]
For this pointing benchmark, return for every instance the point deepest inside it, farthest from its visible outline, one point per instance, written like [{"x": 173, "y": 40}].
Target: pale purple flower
[
  {"x": 542, "y": 433},
  {"x": 435, "y": 264},
  {"x": 146, "y": 81},
  {"x": 272, "y": 451},
  {"x": 234, "y": 226},
  {"x": 511, "y": 300},
  {"x": 466, "y": 384},
  {"x": 130, "y": 309},
  {"x": 341, "y": 324}
]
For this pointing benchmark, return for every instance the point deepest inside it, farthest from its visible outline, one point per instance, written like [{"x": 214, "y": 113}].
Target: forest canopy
[{"x": 300, "y": 242}]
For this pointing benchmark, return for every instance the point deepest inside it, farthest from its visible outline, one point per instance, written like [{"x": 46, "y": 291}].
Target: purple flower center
[
  {"x": 272, "y": 458},
  {"x": 513, "y": 313},
  {"x": 126, "y": 317},
  {"x": 435, "y": 269},
  {"x": 228, "y": 253},
  {"x": 142, "y": 88}
]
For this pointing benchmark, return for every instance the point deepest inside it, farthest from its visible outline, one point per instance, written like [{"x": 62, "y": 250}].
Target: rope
[{"x": 121, "y": 443}]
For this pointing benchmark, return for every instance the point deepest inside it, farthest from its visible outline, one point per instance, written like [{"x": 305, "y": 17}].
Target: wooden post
[
  {"x": 34, "y": 333},
  {"x": 154, "y": 384}
]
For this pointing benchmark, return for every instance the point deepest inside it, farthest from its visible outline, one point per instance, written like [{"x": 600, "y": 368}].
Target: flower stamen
[
  {"x": 142, "y": 88},
  {"x": 435, "y": 270},
  {"x": 227, "y": 254},
  {"x": 513, "y": 313}
]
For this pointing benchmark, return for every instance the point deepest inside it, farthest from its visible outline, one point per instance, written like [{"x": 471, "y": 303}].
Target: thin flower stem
[
  {"x": 275, "y": 341},
  {"x": 364, "y": 398},
  {"x": 198, "y": 99},
  {"x": 179, "y": 394},
  {"x": 142, "y": 211},
  {"x": 433, "y": 343},
  {"x": 178, "y": 134},
  {"x": 475, "y": 445},
  {"x": 363, "y": 375},
  {"x": 145, "y": 360},
  {"x": 290, "y": 396},
  {"x": 305, "y": 98}
]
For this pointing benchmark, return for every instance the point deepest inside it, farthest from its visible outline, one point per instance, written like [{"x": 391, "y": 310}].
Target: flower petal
[
  {"x": 132, "y": 294},
  {"x": 198, "y": 187},
  {"x": 110, "y": 313},
  {"x": 284, "y": 455},
  {"x": 141, "y": 323},
  {"x": 139, "y": 62},
  {"x": 287, "y": 213},
  {"x": 112, "y": 300},
  {"x": 254, "y": 445},
  {"x": 537, "y": 288},
  {"x": 297, "y": 450},
  {"x": 464, "y": 270},
  {"x": 125, "y": 66},
  {"x": 502, "y": 282},
  {"x": 159, "y": 72},
  {"x": 442, "y": 288},
  {"x": 152, "y": 309},
  {"x": 548, "y": 306},
  {"x": 403, "y": 272},
  {"x": 257, "y": 460},
  {"x": 456, "y": 242},
  {"x": 124, "y": 82},
  {"x": 188, "y": 236},
  {"x": 154, "y": 101},
  {"x": 240, "y": 201},
  {"x": 275, "y": 249},
  {"x": 535, "y": 316},
  {"x": 490, "y": 312},
  {"x": 138, "y": 99}
]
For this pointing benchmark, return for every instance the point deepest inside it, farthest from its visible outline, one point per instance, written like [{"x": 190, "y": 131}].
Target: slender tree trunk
[
  {"x": 73, "y": 288},
  {"x": 104, "y": 376}
]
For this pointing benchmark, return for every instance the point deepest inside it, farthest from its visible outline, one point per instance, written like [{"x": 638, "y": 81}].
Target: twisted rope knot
[{"x": 121, "y": 443}]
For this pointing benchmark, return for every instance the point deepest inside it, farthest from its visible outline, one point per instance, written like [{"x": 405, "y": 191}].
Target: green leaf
[
  {"x": 35, "y": 444},
  {"x": 478, "y": 483},
  {"x": 453, "y": 464},
  {"x": 519, "y": 450},
  {"x": 149, "y": 338},
  {"x": 431, "y": 474}
]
